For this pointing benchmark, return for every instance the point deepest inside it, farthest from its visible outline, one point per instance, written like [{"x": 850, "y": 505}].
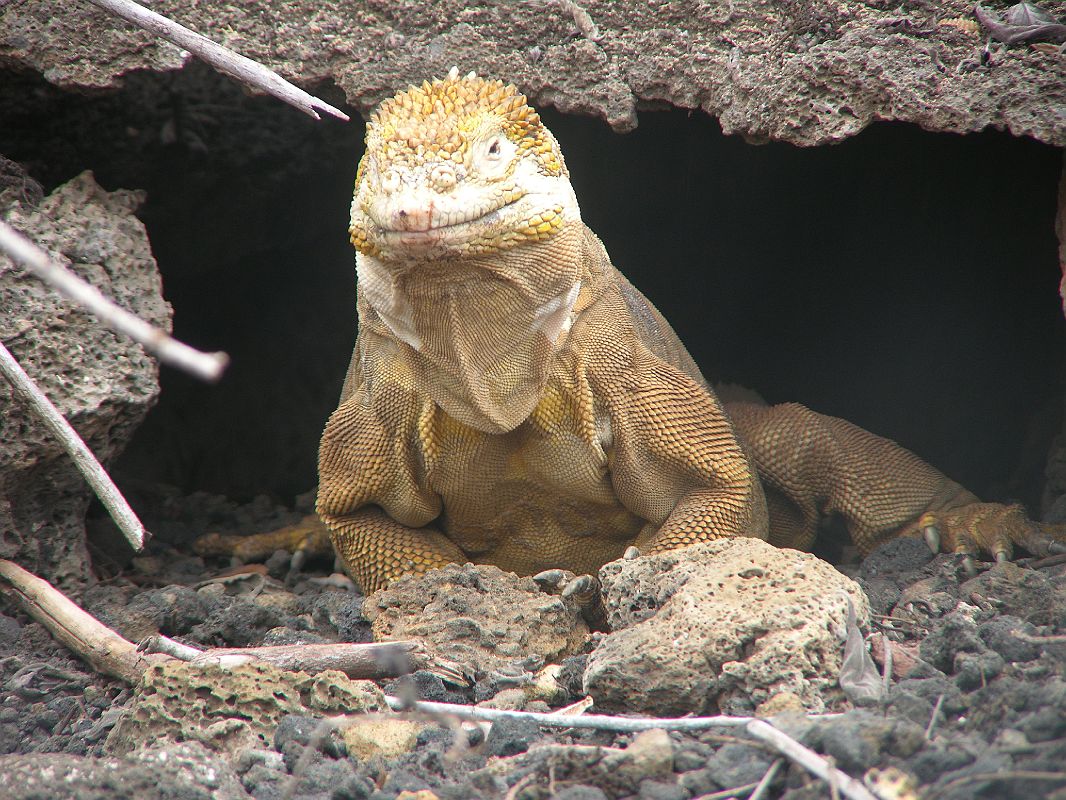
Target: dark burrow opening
[{"x": 902, "y": 279}]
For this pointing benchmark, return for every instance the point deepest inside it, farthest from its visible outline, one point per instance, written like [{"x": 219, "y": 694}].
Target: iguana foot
[
  {"x": 584, "y": 590},
  {"x": 989, "y": 528},
  {"x": 307, "y": 537}
]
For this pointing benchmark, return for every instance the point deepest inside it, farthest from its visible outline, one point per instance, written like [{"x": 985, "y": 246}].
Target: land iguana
[{"x": 514, "y": 400}]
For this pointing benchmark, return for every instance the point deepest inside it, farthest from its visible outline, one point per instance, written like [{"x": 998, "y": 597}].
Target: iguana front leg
[
  {"x": 675, "y": 458},
  {"x": 376, "y": 549},
  {"x": 370, "y": 496}
]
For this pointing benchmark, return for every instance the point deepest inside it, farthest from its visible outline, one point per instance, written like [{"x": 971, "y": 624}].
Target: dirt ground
[{"x": 977, "y": 705}]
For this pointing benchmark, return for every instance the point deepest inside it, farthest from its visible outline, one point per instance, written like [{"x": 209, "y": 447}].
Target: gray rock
[
  {"x": 731, "y": 623},
  {"x": 508, "y": 737},
  {"x": 478, "y": 616},
  {"x": 698, "y": 782},
  {"x": 100, "y": 381},
  {"x": 807, "y": 73},
  {"x": 976, "y": 669},
  {"x": 859, "y": 740},
  {"x": 185, "y": 771},
  {"x": 661, "y": 790},
  {"x": 738, "y": 764},
  {"x": 1002, "y": 635},
  {"x": 957, "y": 634},
  {"x": 580, "y": 792}
]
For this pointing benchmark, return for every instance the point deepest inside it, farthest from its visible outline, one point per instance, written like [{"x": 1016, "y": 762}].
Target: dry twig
[
  {"x": 934, "y": 718},
  {"x": 112, "y": 654},
  {"x": 764, "y": 783},
  {"x": 208, "y": 366},
  {"x": 79, "y": 452},
  {"x": 104, "y": 649},
  {"x": 809, "y": 760},
  {"x": 381, "y": 660},
  {"x": 600, "y": 722},
  {"x": 221, "y": 58}
]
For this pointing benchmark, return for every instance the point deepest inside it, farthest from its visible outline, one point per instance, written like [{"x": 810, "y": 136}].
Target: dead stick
[
  {"x": 208, "y": 366},
  {"x": 104, "y": 649},
  {"x": 112, "y": 654},
  {"x": 221, "y": 58},
  {"x": 356, "y": 660},
  {"x": 555, "y": 720},
  {"x": 79, "y": 452},
  {"x": 808, "y": 759}
]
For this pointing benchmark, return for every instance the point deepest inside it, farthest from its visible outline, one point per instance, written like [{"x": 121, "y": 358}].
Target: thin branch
[
  {"x": 601, "y": 722},
  {"x": 764, "y": 784},
  {"x": 80, "y": 454},
  {"x": 104, "y": 649},
  {"x": 809, "y": 760},
  {"x": 356, "y": 660},
  {"x": 208, "y": 366},
  {"x": 757, "y": 728},
  {"x": 221, "y": 58},
  {"x": 1028, "y": 637},
  {"x": 934, "y": 718}
]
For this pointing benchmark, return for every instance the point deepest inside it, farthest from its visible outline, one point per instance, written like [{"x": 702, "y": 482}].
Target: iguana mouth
[{"x": 454, "y": 232}]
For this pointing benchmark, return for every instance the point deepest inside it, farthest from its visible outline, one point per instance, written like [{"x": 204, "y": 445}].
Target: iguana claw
[
  {"x": 930, "y": 532},
  {"x": 551, "y": 580},
  {"x": 584, "y": 590},
  {"x": 992, "y": 529}
]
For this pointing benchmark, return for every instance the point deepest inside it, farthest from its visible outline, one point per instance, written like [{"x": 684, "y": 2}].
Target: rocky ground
[{"x": 976, "y": 705}]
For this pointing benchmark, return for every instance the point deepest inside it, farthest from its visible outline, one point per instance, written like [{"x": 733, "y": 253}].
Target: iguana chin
[{"x": 513, "y": 400}]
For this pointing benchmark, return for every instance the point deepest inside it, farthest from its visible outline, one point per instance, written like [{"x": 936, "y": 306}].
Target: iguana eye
[{"x": 493, "y": 156}]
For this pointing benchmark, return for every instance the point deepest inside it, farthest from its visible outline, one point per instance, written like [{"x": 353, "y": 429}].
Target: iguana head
[{"x": 458, "y": 167}]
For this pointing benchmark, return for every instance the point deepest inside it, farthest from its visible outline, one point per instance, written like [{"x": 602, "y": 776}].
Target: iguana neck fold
[{"x": 478, "y": 333}]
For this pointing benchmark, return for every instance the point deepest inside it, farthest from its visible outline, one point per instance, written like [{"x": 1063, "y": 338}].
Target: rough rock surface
[
  {"x": 185, "y": 771},
  {"x": 649, "y": 757},
  {"x": 726, "y": 625},
  {"x": 102, "y": 382},
  {"x": 235, "y": 709},
  {"x": 478, "y": 616},
  {"x": 987, "y": 680},
  {"x": 807, "y": 73}
]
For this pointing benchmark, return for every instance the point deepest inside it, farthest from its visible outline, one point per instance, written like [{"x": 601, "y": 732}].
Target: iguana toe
[{"x": 552, "y": 580}]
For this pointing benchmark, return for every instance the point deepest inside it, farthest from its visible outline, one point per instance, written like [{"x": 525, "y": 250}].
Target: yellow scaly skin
[{"x": 513, "y": 400}]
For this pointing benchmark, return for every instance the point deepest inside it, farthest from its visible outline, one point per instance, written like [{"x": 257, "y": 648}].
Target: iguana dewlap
[{"x": 513, "y": 400}]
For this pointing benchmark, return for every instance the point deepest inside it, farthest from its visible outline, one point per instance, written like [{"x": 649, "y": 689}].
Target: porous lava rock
[
  {"x": 722, "y": 626},
  {"x": 232, "y": 709},
  {"x": 477, "y": 616},
  {"x": 101, "y": 381},
  {"x": 806, "y": 72}
]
